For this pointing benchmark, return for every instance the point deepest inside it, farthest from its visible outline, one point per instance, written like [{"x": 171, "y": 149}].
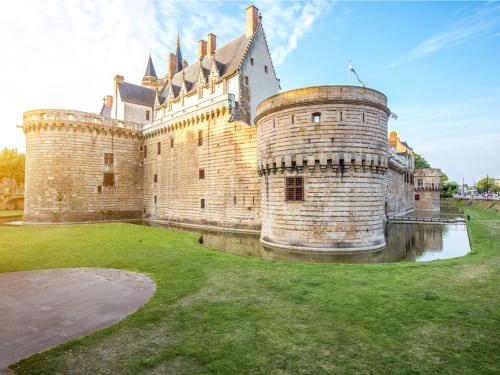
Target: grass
[
  {"x": 11, "y": 213},
  {"x": 220, "y": 313}
]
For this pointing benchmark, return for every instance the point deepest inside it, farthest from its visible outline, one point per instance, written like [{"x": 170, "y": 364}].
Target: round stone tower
[
  {"x": 322, "y": 156},
  {"x": 80, "y": 167}
]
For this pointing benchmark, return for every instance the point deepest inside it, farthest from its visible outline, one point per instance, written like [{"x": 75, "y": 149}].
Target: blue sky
[{"x": 437, "y": 62}]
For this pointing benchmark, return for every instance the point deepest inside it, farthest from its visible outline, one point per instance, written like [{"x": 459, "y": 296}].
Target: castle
[{"x": 310, "y": 168}]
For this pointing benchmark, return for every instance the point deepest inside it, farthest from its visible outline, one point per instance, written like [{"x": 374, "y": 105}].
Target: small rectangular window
[
  {"x": 200, "y": 137},
  {"x": 246, "y": 80},
  {"x": 417, "y": 197},
  {"x": 156, "y": 199},
  {"x": 265, "y": 68},
  {"x": 147, "y": 115},
  {"x": 294, "y": 189},
  {"x": 363, "y": 117},
  {"x": 145, "y": 151},
  {"x": 99, "y": 189},
  {"x": 202, "y": 203},
  {"x": 108, "y": 179},
  {"x": 108, "y": 158},
  {"x": 420, "y": 182},
  {"x": 155, "y": 177},
  {"x": 251, "y": 60},
  {"x": 293, "y": 119},
  {"x": 316, "y": 117},
  {"x": 234, "y": 199},
  {"x": 158, "y": 148},
  {"x": 201, "y": 174},
  {"x": 171, "y": 142}
]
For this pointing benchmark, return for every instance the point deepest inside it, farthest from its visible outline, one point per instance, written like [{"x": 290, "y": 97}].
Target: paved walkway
[{"x": 41, "y": 309}]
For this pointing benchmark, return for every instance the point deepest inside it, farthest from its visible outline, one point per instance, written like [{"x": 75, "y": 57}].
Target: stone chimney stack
[
  {"x": 212, "y": 43},
  {"x": 252, "y": 14},
  {"x": 171, "y": 65},
  {"x": 108, "y": 101},
  {"x": 119, "y": 79},
  {"x": 202, "y": 49}
]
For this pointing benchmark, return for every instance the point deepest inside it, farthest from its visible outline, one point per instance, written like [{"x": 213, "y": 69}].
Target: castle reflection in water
[{"x": 405, "y": 242}]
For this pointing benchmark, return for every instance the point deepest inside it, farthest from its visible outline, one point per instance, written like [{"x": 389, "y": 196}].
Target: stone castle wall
[
  {"x": 65, "y": 166},
  {"x": 227, "y": 155},
  {"x": 399, "y": 192},
  {"x": 427, "y": 189},
  {"x": 342, "y": 160}
]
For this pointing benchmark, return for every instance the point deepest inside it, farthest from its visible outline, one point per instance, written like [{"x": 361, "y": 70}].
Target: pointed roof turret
[
  {"x": 150, "y": 69},
  {"x": 178, "y": 56}
]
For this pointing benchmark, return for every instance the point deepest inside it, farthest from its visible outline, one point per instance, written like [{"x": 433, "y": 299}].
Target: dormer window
[
  {"x": 147, "y": 115},
  {"x": 316, "y": 117}
]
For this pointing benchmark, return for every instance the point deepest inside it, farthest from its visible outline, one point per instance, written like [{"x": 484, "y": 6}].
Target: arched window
[{"x": 316, "y": 117}]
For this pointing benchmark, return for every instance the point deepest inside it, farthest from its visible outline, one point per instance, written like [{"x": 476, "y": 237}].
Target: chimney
[
  {"x": 119, "y": 79},
  {"x": 171, "y": 65},
  {"x": 108, "y": 101},
  {"x": 202, "y": 49},
  {"x": 212, "y": 40},
  {"x": 252, "y": 14}
]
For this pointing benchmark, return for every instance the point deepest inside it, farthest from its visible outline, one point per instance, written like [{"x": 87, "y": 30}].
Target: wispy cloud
[
  {"x": 64, "y": 53},
  {"x": 478, "y": 24},
  {"x": 460, "y": 137}
]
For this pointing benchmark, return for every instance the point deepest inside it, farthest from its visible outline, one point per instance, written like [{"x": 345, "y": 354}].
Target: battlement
[{"x": 37, "y": 118}]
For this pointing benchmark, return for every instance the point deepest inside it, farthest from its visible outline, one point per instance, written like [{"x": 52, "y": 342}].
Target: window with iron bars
[{"x": 294, "y": 189}]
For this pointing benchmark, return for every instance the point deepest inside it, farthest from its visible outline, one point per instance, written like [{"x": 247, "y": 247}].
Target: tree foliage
[
  {"x": 487, "y": 184},
  {"x": 420, "y": 162},
  {"x": 448, "y": 188},
  {"x": 12, "y": 164}
]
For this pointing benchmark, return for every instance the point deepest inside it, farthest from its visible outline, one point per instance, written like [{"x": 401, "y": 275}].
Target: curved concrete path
[{"x": 43, "y": 308}]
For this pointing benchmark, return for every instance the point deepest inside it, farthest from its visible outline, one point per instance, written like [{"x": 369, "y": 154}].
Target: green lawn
[
  {"x": 220, "y": 313},
  {"x": 11, "y": 213}
]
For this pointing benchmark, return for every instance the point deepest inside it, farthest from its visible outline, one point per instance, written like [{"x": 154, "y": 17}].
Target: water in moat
[{"x": 405, "y": 242}]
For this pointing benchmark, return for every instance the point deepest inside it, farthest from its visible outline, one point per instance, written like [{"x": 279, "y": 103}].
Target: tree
[
  {"x": 487, "y": 184},
  {"x": 448, "y": 188},
  {"x": 420, "y": 162},
  {"x": 12, "y": 164}
]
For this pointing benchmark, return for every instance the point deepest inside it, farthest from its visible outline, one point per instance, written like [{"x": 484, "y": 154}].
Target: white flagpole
[{"x": 349, "y": 72}]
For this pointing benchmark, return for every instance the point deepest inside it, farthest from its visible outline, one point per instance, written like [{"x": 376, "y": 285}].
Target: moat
[{"x": 405, "y": 242}]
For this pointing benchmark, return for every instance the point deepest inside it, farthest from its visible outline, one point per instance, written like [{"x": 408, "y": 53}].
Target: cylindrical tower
[
  {"x": 322, "y": 156},
  {"x": 81, "y": 167}
]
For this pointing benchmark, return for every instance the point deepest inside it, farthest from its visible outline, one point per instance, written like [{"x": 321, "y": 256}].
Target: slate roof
[
  {"x": 228, "y": 59},
  {"x": 136, "y": 94},
  {"x": 150, "y": 69}
]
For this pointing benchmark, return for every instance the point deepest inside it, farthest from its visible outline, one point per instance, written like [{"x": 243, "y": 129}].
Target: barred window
[
  {"x": 108, "y": 158},
  {"x": 294, "y": 189},
  {"x": 417, "y": 197},
  {"x": 420, "y": 182},
  {"x": 108, "y": 179}
]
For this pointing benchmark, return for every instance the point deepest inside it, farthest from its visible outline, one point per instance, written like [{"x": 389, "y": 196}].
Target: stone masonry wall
[
  {"x": 427, "y": 189},
  {"x": 342, "y": 159},
  {"x": 230, "y": 187},
  {"x": 65, "y": 165},
  {"x": 399, "y": 194}
]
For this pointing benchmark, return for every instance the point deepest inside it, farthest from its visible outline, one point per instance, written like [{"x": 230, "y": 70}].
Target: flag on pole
[{"x": 351, "y": 69}]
